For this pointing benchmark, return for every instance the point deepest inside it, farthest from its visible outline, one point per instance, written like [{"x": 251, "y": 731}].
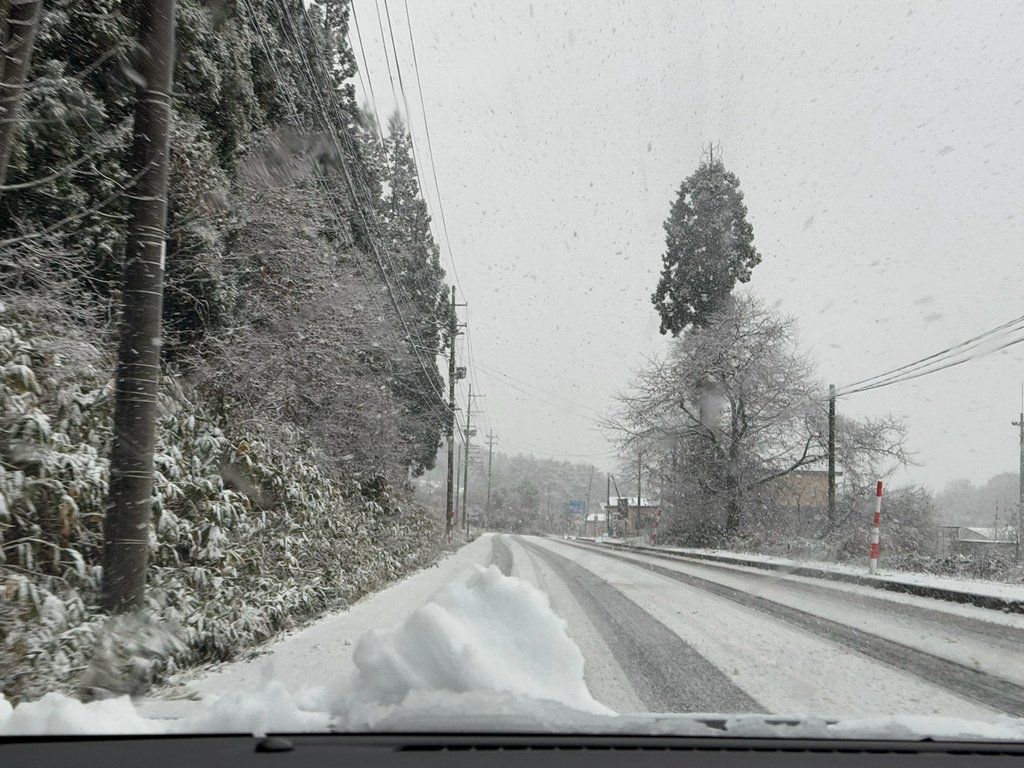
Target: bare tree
[
  {"x": 126, "y": 526},
  {"x": 734, "y": 408},
  {"x": 19, "y": 33}
]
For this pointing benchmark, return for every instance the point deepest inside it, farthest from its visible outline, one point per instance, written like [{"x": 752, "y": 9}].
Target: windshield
[{"x": 588, "y": 367}]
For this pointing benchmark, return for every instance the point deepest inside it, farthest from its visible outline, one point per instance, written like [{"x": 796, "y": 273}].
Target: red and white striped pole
[{"x": 873, "y": 558}]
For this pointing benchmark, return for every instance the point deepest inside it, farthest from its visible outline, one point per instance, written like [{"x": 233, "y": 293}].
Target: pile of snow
[
  {"x": 485, "y": 654},
  {"x": 494, "y": 634},
  {"x": 489, "y": 645}
]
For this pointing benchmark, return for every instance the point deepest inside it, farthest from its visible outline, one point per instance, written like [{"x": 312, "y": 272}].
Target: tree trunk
[
  {"x": 733, "y": 510},
  {"x": 20, "y": 25},
  {"x": 129, "y": 507}
]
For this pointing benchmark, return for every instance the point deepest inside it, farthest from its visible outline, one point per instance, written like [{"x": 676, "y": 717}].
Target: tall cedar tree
[
  {"x": 416, "y": 266},
  {"x": 709, "y": 247}
]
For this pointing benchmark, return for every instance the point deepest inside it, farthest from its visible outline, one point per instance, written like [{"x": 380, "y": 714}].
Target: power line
[
  {"x": 366, "y": 68},
  {"x": 542, "y": 400},
  {"x": 416, "y": 155},
  {"x": 391, "y": 77},
  {"x": 351, "y": 184},
  {"x": 430, "y": 151},
  {"x": 557, "y": 454},
  {"x": 975, "y": 347},
  {"x": 547, "y": 393}
]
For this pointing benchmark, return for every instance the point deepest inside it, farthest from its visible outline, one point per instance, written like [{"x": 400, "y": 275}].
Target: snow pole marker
[{"x": 873, "y": 555}]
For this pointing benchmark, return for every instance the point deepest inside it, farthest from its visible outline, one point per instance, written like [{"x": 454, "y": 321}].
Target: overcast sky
[{"x": 879, "y": 147}]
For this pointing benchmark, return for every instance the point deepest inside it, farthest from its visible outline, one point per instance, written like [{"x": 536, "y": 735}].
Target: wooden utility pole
[
  {"x": 831, "y": 522},
  {"x": 130, "y": 500},
  {"x": 19, "y": 33}
]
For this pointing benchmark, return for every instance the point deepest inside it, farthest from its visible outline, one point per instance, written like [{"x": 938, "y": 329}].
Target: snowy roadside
[
  {"x": 296, "y": 657},
  {"x": 456, "y": 648},
  {"x": 978, "y": 592},
  {"x": 434, "y": 648}
]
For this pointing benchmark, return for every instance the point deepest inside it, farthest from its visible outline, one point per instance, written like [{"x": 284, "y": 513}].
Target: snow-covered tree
[{"x": 732, "y": 410}]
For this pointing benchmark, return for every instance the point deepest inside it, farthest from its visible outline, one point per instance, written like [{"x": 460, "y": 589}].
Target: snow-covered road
[
  {"x": 661, "y": 635},
  {"x": 664, "y": 635}
]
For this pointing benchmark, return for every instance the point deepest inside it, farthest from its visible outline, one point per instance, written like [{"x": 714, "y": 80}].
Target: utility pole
[
  {"x": 18, "y": 35},
  {"x": 1020, "y": 500},
  {"x": 465, "y": 462},
  {"x": 130, "y": 496},
  {"x": 547, "y": 507},
  {"x": 458, "y": 474},
  {"x": 618, "y": 496},
  {"x": 639, "y": 473},
  {"x": 491, "y": 440},
  {"x": 465, "y": 447},
  {"x": 586, "y": 506},
  {"x": 453, "y": 376},
  {"x": 607, "y": 506},
  {"x": 831, "y": 522}
]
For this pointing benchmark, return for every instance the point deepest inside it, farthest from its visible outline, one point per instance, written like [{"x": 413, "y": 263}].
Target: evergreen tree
[
  {"x": 415, "y": 263},
  {"x": 709, "y": 247}
]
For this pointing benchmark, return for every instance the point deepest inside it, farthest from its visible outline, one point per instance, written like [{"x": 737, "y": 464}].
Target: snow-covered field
[{"x": 520, "y": 633}]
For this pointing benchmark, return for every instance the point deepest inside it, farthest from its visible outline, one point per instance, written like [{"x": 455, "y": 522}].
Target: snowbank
[
  {"x": 485, "y": 654},
  {"x": 490, "y": 645},
  {"x": 496, "y": 634}
]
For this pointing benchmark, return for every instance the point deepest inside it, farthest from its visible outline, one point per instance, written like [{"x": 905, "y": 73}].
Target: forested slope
[{"x": 303, "y": 309}]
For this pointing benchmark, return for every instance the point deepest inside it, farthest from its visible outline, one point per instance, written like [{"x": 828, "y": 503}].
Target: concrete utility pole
[
  {"x": 491, "y": 440},
  {"x": 831, "y": 457},
  {"x": 1020, "y": 500},
  {"x": 458, "y": 474},
  {"x": 586, "y": 505},
  {"x": 465, "y": 462},
  {"x": 130, "y": 495},
  {"x": 607, "y": 506},
  {"x": 639, "y": 474},
  {"x": 453, "y": 376},
  {"x": 19, "y": 33}
]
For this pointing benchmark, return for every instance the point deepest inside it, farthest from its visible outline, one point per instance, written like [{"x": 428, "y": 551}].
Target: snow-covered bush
[{"x": 248, "y": 537}]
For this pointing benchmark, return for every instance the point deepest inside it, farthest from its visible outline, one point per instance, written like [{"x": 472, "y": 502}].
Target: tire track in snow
[
  {"x": 667, "y": 673},
  {"x": 962, "y": 680},
  {"x": 501, "y": 554}
]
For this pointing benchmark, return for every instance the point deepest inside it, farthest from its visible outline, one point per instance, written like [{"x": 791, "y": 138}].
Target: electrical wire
[
  {"x": 1002, "y": 336},
  {"x": 366, "y": 69},
  {"x": 359, "y": 209}
]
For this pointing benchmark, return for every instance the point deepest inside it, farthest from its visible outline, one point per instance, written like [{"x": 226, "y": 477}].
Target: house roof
[{"x": 631, "y": 501}]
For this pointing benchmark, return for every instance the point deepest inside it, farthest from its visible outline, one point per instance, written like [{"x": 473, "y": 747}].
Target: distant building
[
  {"x": 803, "y": 494},
  {"x": 802, "y": 489},
  {"x": 595, "y": 525},
  {"x": 628, "y": 518},
  {"x": 977, "y": 540}
]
